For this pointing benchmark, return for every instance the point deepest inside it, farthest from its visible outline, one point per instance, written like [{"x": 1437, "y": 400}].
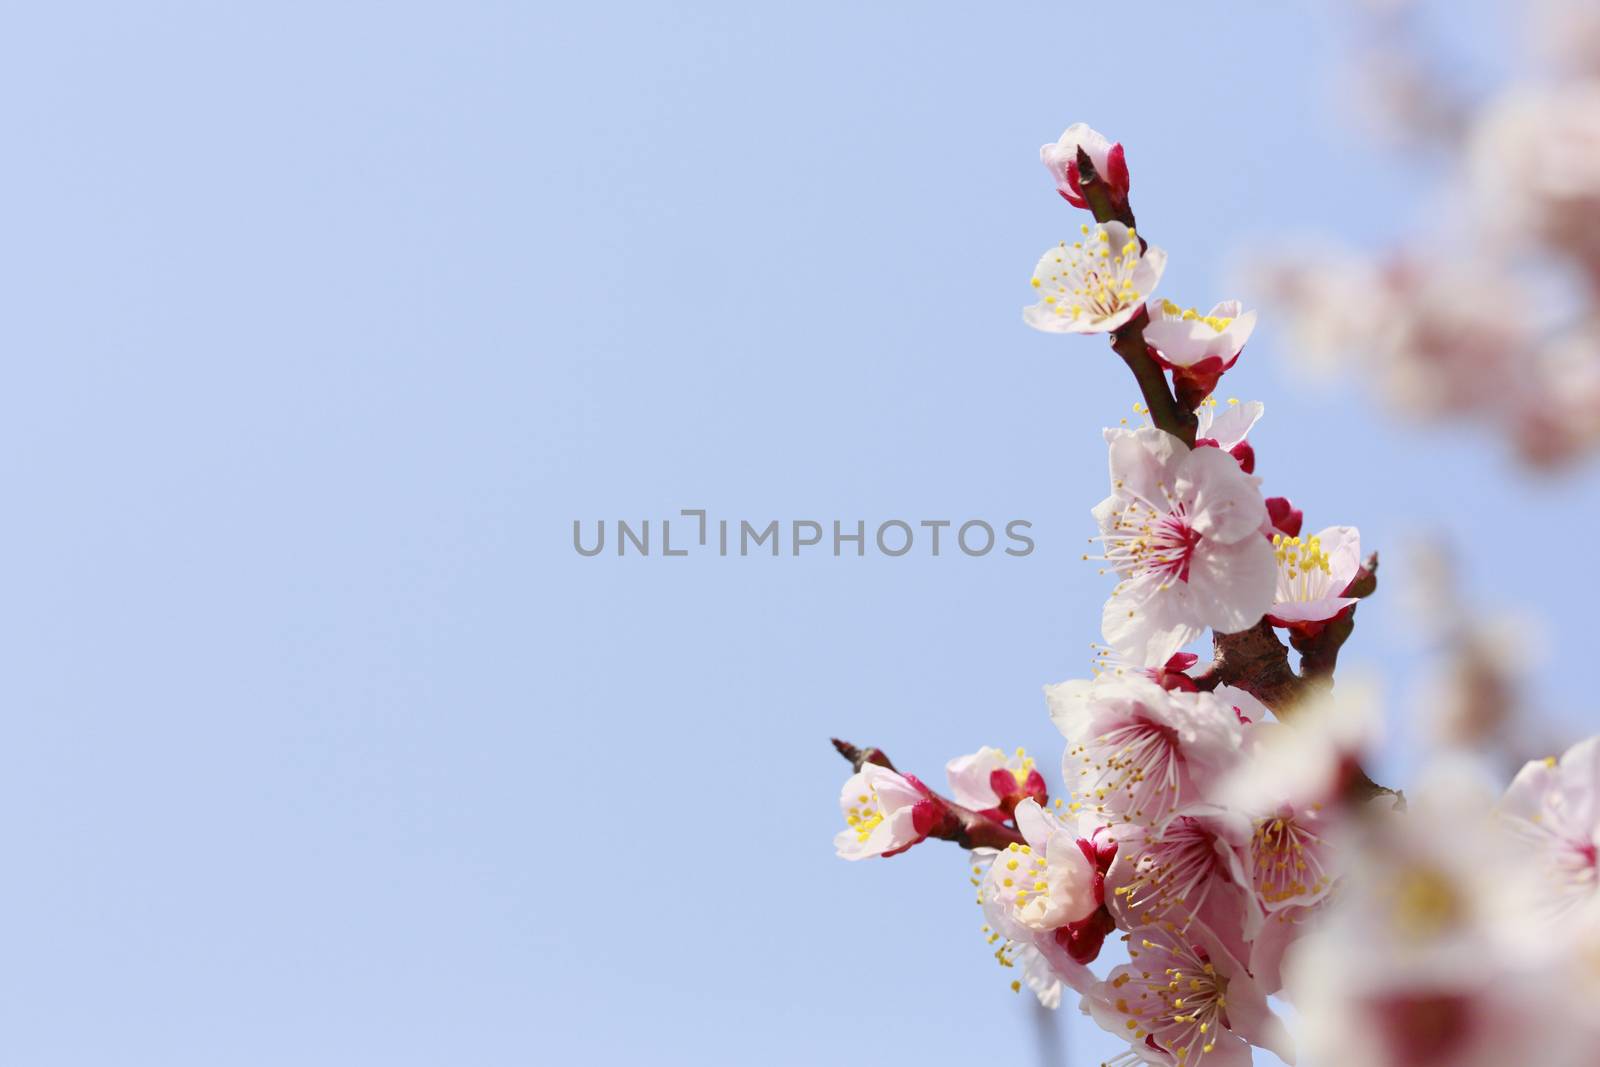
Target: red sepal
[{"x": 1284, "y": 516}]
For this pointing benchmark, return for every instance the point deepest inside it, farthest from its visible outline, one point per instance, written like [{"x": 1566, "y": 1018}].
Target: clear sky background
[{"x": 323, "y": 322}]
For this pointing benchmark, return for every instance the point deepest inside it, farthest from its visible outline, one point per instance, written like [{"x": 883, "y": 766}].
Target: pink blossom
[
  {"x": 1197, "y": 348},
  {"x": 1427, "y": 955},
  {"x": 1181, "y": 529},
  {"x": 1094, "y": 285},
  {"x": 1184, "y": 999},
  {"x": 1229, "y": 429},
  {"x": 1046, "y": 900},
  {"x": 991, "y": 782},
  {"x": 1109, "y": 160},
  {"x": 1046, "y": 883},
  {"x": 1555, "y": 806},
  {"x": 1313, "y": 575},
  {"x": 886, "y": 813},
  {"x": 1137, "y": 752},
  {"x": 1183, "y": 870}
]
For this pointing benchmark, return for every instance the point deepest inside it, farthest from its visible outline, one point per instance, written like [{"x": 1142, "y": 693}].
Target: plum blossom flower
[
  {"x": 1184, "y": 999},
  {"x": 1094, "y": 285},
  {"x": 1427, "y": 955},
  {"x": 1555, "y": 806},
  {"x": 1045, "y": 900},
  {"x": 1182, "y": 530},
  {"x": 886, "y": 813},
  {"x": 1182, "y": 869},
  {"x": 1314, "y": 573},
  {"x": 989, "y": 781},
  {"x": 1044, "y": 884},
  {"x": 1229, "y": 429},
  {"x": 1110, "y": 163},
  {"x": 1137, "y": 752},
  {"x": 1197, "y": 348}
]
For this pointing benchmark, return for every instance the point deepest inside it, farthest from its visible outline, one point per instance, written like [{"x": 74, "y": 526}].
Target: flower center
[
  {"x": 1178, "y": 864},
  {"x": 1091, "y": 278},
  {"x": 1021, "y": 876},
  {"x": 1179, "y": 1007},
  {"x": 1304, "y": 569},
  {"x": 1426, "y": 904},
  {"x": 865, "y": 815},
  {"x": 1023, "y": 768},
  {"x": 1146, "y": 541},
  {"x": 1285, "y": 861},
  {"x": 1134, "y": 767},
  {"x": 1216, "y": 322}
]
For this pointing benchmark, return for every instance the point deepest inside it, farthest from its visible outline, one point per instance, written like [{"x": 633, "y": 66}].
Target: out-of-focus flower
[
  {"x": 1313, "y": 574},
  {"x": 994, "y": 783},
  {"x": 1474, "y": 694},
  {"x": 1308, "y": 761},
  {"x": 1094, "y": 285},
  {"x": 1558, "y": 419},
  {"x": 1197, "y": 348},
  {"x": 1110, "y": 163},
  {"x": 1566, "y": 35},
  {"x": 1555, "y": 806},
  {"x": 1535, "y": 162},
  {"x": 1183, "y": 999},
  {"x": 1181, "y": 529},
  {"x": 1427, "y": 955},
  {"x": 1138, "y": 752},
  {"x": 1182, "y": 870},
  {"x": 886, "y": 813},
  {"x": 1288, "y": 793},
  {"x": 1473, "y": 319}
]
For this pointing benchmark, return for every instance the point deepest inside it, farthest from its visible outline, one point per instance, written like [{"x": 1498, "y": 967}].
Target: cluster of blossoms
[
  {"x": 1216, "y": 846},
  {"x": 1494, "y": 314}
]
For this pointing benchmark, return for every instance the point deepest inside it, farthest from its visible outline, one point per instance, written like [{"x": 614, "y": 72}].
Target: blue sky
[{"x": 325, "y": 323}]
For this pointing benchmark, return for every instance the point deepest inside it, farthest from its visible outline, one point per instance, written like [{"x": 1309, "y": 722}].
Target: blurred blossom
[
  {"x": 1304, "y": 763},
  {"x": 1430, "y": 955},
  {"x": 1554, "y": 805},
  {"x": 1534, "y": 163},
  {"x": 1489, "y": 316},
  {"x": 1566, "y": 35},
  {"x": 1472, "y": 693}
]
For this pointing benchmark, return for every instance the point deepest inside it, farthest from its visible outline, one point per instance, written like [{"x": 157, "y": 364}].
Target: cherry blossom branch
[
  {"x": 964, "y": 826},
  {"x": 1253, "y": 660}
]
